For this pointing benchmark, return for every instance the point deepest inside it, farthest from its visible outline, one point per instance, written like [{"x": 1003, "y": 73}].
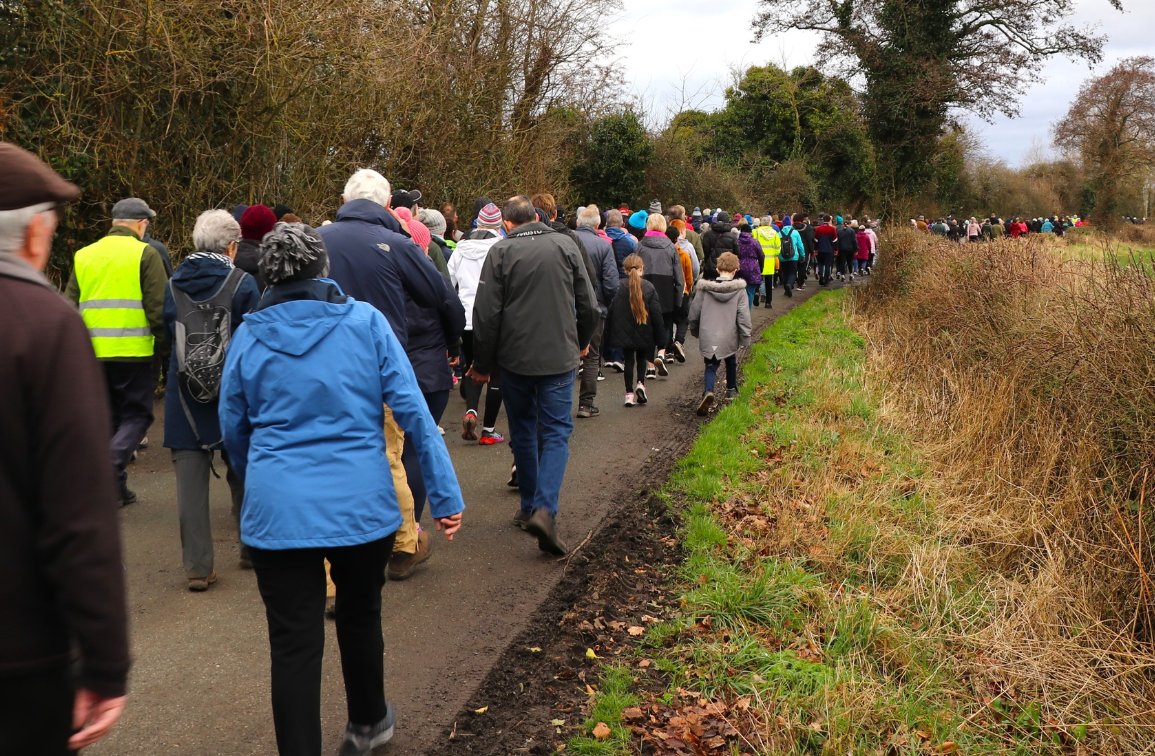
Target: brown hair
[
  {"x": 546, "y": 203},
  {"x": 633, "y": 266},
  {"x": 727, "y": 262}
]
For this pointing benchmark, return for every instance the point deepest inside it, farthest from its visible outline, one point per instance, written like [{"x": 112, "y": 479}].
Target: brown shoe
[
  {"x": 201, "y": 584},
  {"x": 402, "y": 565},
  {"x": 520, "y": 519},
  {"x": 543, "y": 526}
]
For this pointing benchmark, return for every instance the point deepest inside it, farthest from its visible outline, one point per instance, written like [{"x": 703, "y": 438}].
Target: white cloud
[{"x": 679, "y": 53}]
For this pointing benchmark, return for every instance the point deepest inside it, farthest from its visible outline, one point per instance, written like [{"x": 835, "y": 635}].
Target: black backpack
[
  {"x": 786, "y": 252},
  {"x": 203, "y": 330}
]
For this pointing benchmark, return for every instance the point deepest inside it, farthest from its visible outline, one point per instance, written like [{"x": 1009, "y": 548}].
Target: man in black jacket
[
  {"x": 64, "y": 629},
  {"x": 533, "y": 318},
  {"x": 806, "y": 231},
  {"x": 717, "y": 240}
]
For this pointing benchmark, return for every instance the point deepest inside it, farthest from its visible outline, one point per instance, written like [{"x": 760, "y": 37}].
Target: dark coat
[
  {"x": 374, "y": 262},
  {"x": 663, "y": 270},
  {"x": 714, "y": 242},
  {"x": 624, "y": 332},
  {"x": 434, "y": 336},
  {"x": 199, "y": 277},
  {"x": 535, "y": 308},
  {"x": 248, "y": 255},
  {"x": 601, "y": 254},
  {"x": 63, "y": 585}
]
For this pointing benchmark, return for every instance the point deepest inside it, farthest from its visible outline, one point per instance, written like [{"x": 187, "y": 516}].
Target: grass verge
[{"x": 823, "y": 608}]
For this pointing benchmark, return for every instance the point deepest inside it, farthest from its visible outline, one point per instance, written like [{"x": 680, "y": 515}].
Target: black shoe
[
  {"x": 512, "y": 482},
  {"x": 543, "y": 526},
  {"x": 680, "y": 351},
  {"x": 660, "y": 364},
  {"x": 588, "y": 411},
  {"x": 127, "y": 495},
  {"x": 769, "y": 304},
  {"x": 360, "y": 740},
  {"x": 652, "y": 373},
  {"x": 731, "y": 393}
]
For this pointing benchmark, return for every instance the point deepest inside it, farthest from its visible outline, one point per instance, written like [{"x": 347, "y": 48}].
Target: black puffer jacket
[
  {"x": 248, "y": 255},
  {"x": 717, "y": 240},
  {"x": 623, "y": 331}
]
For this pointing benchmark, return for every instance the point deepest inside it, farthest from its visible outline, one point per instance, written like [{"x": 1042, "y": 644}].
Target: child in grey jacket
[{"x": 720, "y": 318}]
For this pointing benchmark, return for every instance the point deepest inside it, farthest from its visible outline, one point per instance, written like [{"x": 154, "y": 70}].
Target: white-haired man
[
  {"x": 119, "y": 282},
  {"x": 605, "y": 282},
  {"x": 375, "y": 262},
  {"x": 63, "y": 588}
]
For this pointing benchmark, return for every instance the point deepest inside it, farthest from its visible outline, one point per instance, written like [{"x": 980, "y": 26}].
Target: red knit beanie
[{"x": 257, "y": 221}]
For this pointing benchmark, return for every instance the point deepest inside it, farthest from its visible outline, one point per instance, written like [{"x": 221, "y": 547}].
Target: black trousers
[
  {"x": 36, "y": 713},
  {"x": 471, "y": 391},
  {"x": 636, "y": 359},
  {"x": 131, "y": 392},
  {"x": 292, "y": 585}
]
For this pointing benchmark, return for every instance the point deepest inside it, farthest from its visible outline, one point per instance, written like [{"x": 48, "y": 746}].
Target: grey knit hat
[
  {"x": 293, "y": 252},
  {"x": 655, "y": 207},
  {"x": 433, "y": 220}
]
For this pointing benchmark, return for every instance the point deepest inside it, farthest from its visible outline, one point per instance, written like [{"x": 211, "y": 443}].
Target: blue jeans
[
  {"x": 711, "y": 377},
  {"x": 751, "y": 290},
  {"x": 540, "y": 413}
]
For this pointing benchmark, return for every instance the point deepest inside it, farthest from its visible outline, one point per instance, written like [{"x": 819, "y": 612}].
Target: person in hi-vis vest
[{"x": 118, "y": 284}]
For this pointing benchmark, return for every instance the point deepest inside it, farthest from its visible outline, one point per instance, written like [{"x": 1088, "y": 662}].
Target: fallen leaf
[
  {"x": 557, "y": 722},
  {"x": 590, "y": 690},
  {"x": 636, "y": 631},
  {"x": 601, "y": 731},
  {"x": 534, "y": 649},
  {"x": 644, "y": 663},
  {"x": 633, "y": 712},
  {"x": 590, "y": 654},
  {"x": 482, "y": 710},
  {"x": 948, "y": 746}
]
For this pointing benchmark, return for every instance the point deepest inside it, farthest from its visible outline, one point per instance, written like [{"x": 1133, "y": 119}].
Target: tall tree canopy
[
  {"x": 1111, "y": 127},
  {"x": 921, "y": 59}
]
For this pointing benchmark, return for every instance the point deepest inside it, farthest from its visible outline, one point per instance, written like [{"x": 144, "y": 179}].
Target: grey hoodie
[{"x": 720, "y": 317}]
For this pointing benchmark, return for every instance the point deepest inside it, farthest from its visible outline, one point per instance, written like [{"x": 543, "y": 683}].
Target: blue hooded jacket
[
  {"x": 302, "y": 413},
  {"x": 199, "y": 277}
]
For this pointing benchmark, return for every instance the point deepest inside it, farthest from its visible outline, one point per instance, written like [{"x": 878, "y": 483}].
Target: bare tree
[{"x": 1111, "y": 127}]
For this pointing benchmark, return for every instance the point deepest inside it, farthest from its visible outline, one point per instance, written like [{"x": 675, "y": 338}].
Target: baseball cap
[{"x": 404, "y": 198}]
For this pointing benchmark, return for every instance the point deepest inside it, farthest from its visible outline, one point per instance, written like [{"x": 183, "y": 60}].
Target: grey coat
[
  {"x": 720, "y": 317},
  {"x": 601, "y": 253}
]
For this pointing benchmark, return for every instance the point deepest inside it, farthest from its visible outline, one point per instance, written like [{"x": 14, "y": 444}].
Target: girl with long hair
[{"x": 634, "y": 324}]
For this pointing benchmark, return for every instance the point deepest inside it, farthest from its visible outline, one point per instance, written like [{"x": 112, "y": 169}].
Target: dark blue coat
[
  {"x": 434, "y": 333},
  {"x": 374, "y": 262},
  {"x": 199, "y": 278}
]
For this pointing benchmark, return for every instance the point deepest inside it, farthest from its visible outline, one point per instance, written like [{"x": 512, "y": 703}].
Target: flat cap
[
  {"x": 132, "y": 208},
  {"x": 26, "y": 180}
]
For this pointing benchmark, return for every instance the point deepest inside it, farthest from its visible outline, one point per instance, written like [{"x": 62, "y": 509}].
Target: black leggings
[
  {"x": 636, "y": 359},
  {"x": 471, "y": 390}
]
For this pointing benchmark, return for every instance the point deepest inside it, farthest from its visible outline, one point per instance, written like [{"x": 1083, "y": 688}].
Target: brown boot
[
  {"x": 543, "y": 526},
  {"x": 402, "y": 565}
]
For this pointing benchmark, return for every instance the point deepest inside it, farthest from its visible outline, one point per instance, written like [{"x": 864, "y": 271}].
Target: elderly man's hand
[{"x": 477, "y": 377}]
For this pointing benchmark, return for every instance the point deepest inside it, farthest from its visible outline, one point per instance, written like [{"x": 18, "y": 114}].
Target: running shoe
[
  {"x": 660, "y": 364},
  {"x": 640, "y": 393},
  {"x": 706, "y": 403},
  {"x": 680, "y": 352},
  {"x": 631, "y": 400},
  {"x": 617, "y": 367},
  {"x": 652, "y": 373},
  {"x": 469, "y": 425},
  {"x": 490, "y": 438}
]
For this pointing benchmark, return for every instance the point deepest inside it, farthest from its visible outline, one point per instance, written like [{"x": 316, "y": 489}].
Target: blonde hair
[
  {"x": 633, "y": 266},
  {"x": 727, "y": 262},
  {"x": 656, "y": 222}
]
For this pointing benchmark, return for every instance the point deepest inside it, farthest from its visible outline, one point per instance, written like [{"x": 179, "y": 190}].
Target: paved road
[{"x": 200, "y": 681}]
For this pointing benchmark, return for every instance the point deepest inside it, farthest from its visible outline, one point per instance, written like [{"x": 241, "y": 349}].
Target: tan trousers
[{"x": 406, "y": 542}]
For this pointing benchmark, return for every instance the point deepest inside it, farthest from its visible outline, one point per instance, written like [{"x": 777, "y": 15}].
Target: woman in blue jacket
[{"x": 302, "y": 416}]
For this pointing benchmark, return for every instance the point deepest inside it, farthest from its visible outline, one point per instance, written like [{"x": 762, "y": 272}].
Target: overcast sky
[{"x": 683, "y": 52}]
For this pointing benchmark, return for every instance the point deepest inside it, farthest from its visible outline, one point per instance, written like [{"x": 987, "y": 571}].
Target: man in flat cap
[
  {"x": 63, "y": 586},
  {"x": 119, "y": 284}
]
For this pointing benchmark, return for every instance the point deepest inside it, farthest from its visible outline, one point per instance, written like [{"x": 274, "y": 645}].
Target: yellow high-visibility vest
[
  {"x": 111, "y": 301},
  {"x": 771, "y": 243}
]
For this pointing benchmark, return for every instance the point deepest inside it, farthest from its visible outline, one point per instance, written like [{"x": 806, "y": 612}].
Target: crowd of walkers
[
  {"x": 301, "y": 356},
  {"x": 991, "y": 228}
]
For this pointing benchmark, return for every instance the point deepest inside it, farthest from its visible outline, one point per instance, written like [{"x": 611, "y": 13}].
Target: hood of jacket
[
  {"x": 721, "y": 226},
  {"x": 199, "y": 277},
  {"x": 747, "y": 243},
  {"x": 368, "y": 211},
  {"x": 723, "y": 290},
  {"x": 472, "y": 248},
  {"x": 294, "y": 317}
]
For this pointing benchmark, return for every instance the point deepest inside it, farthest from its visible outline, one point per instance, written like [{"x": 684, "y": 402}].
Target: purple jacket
[{"x": 750, "y": 259}]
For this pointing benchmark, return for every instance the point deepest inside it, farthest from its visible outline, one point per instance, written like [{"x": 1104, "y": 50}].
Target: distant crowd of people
[{"x": 988, "y": 229}]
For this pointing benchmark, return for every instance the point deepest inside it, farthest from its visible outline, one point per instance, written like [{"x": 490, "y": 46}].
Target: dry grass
[{"x": 1029, "y": 381}]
